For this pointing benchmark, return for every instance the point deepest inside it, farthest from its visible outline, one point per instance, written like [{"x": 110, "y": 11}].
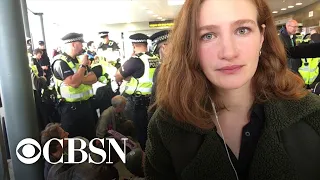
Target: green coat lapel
[
  {"x": 281, "y": 114},
  {"x": 271, "y": 160}
]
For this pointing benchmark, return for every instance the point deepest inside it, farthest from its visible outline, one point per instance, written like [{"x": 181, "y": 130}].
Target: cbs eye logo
[{"x": 28, "y": 151}]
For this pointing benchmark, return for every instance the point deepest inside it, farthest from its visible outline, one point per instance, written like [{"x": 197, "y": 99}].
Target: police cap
[
  {"x": 72, "y": 37},
  {"x": 139, "y": 38},
  {"x": 103, "y": 34},
  {"x": 158, "y": 38},
  {"x": 41, "y": 43}
]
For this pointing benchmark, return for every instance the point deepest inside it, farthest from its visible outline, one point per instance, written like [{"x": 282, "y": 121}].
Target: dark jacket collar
[
  {"x": 271, "y": 160},
  {"x": 279, "y": 114},
  {"x": 284, "y": 31},
  {"x": 283, "y": 113}
]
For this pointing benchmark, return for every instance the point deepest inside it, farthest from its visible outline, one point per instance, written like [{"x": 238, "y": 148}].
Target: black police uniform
[
  {"x": 77, "y": 118},
  {"x": 45, "y": 61},
  {"x": 110, "y": 45},
  {"x": 134, "y": 67},
  {"x": 156, "y": 39},
  {"x": 104, "y": 94}
]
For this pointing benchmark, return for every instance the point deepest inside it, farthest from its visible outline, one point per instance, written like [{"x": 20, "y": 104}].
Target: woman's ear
[{"x": 263, "y": 30}]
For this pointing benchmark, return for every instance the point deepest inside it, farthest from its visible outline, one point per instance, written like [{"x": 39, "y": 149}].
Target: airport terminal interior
[{"x": 236, "y": 97}]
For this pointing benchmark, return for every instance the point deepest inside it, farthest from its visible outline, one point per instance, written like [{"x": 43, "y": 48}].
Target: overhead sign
[
  {"x": 168, "y": 23},
  {"x": 310, "y": 13}
]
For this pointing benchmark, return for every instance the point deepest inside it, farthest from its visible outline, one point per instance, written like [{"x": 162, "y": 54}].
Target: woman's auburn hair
[{"x": 183, "y": 89}]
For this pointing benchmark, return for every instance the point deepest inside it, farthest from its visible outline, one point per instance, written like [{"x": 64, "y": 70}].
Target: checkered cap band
[
  {"x": 73, "y": 40},
  {"x": 160, "y": 39},
  {"x": 104, "y": 34},
  {"x": 139, "y": 40}
]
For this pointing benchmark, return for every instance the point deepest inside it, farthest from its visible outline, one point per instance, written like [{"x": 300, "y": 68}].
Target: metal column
[
  {"x": 4, "y": 169},
  {"x": 42, "y": 28},
  {"x": 17, "y": 93},
  {"x": 25, "y": 18}
]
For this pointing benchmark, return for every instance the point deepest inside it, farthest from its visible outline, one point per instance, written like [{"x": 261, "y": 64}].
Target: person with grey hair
[
  {"x": 288, "y": 38},
  {"x": 113, "y": 118}
]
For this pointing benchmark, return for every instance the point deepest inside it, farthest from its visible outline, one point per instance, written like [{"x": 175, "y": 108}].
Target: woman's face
[{"x": 230, "y": 42}]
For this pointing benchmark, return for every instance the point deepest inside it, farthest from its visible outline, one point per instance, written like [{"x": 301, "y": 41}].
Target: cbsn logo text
[{"x": 29, "y": 151}]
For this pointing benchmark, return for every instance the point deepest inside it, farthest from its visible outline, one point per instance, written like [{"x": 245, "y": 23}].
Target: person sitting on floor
[{"x": 113, "y": 118}]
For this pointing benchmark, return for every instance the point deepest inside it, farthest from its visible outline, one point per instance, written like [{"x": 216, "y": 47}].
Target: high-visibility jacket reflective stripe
[
  {"x": 143, "y": 85},
  {"x": 70, "y": 94},
  {"x": 144, "y": 91},
  {"x": 309, "y": 71},
  {"x": 76, "y": 96}
]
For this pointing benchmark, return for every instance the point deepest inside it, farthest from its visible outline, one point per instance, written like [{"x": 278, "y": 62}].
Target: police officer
[
  {"x": 159, "y": 43},
  {"x": 45, "y": 61},
  {"x": 309, "y": 70},
  {"x": 138, "y": 71},
  {"x": 105, "y": 73},
  {"x": 73, "y": 80},
  {"x": 38, "y": 83},
  {"x": 108, "y": 50},
  {"x": 35, "y": 64}
]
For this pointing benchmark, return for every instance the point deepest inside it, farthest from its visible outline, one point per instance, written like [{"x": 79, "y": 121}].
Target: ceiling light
[
  {"x": 155, "y": 15},
  {"x": 159, "y": 17},
  {"x": 150, "y": 12},
  {"x": 290, "y": 6},
  {"x": 283, "y": 9},
  {"x": 175, "y": 2},
  {"x": 275, "y": 12},
  {"x": 144, "y": 8},
  {"x": 163, "y": 19},
  {"x": 298, "y": 4}
]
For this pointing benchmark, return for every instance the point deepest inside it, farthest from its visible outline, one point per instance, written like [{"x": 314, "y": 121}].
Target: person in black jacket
[
  {"x": 288, "y": 37},
  {"x": 294, "y": 52},
  {"x": 45, "y": 62}
]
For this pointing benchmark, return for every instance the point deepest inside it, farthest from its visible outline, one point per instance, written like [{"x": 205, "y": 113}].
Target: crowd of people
[{"x": 67, "y": 106}]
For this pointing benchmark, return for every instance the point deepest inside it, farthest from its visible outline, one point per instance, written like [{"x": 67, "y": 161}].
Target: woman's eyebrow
[{"x": 235, "y": 23}]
